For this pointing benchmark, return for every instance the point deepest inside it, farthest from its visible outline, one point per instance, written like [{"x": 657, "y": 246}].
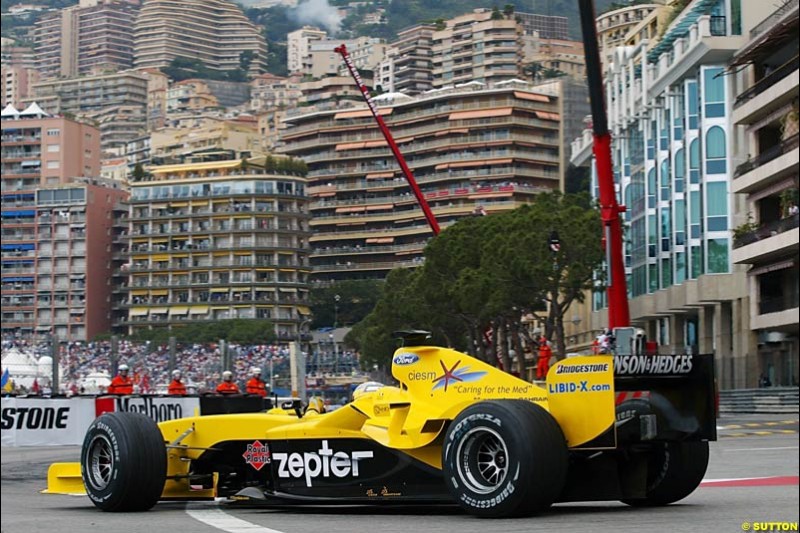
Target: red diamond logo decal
[{"x": 257, "y": 455}]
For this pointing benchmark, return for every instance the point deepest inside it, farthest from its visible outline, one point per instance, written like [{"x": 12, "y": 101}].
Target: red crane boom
[
  {"x": 426, "y": 209},
  {"x": 618, "y": 312}
]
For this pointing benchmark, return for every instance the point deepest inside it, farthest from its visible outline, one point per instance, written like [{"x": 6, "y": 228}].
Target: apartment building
[
  {"x": 476, "y": 48},
  {"x": 217, "y": 240},
  {"x": 74, "y": 258},
  {"x": 268, "y": 91},
  {"x": 86, "y": 39},
  {"x": 472, "y": 150},
  {"x": 16, "y": 83},
  {"x": 208, "y": 134},
  {"x": 407, "y": 64},
  {"x": 215, "y": 32},
  {"x": 614, "y": 25},
  {"x": 669, "y": 106},
  {"x": 332, "y": 92},
  {"x": 37, "y": 152},
  {"x": 554, "y": 55},
  {"x": 298, "y": 45},
  {"x": 365, "y": 52},
  {"x": 545, "y": 26},
  {"x": 766, "y": 240},
  {"x": 14, "y": 54},
  {"x": 195, "y": 95},
  {"x": 117, "y": 102}
]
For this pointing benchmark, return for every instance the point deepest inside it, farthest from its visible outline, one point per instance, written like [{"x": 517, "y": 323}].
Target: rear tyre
[
  {"x": 123, "y": 462},
  {"x": 504, "y": 458},
  {"x": 674, "y": 470}
]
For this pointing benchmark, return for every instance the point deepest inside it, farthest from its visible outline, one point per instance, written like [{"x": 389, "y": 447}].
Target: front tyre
[
  {"x": 123, "y": 462},
  {"x": 674, "y": 470},
  {"x": 504, "y": 458}
]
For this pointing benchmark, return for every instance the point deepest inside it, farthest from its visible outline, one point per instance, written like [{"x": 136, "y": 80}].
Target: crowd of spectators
[{"x": 200, "y": 364}]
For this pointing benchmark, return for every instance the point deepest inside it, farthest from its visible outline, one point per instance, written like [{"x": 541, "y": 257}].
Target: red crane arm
[
  {"x": 618, "y": 312},
  {"x": 426, "y": 209}
]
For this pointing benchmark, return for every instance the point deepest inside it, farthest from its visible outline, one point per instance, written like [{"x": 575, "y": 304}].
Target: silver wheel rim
[
  {"x": 101, "y": 462},
  {"x": 482, "y": 460}
]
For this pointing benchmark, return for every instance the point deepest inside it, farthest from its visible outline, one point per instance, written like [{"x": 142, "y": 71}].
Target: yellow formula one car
[{"x": 455, "y": 430}]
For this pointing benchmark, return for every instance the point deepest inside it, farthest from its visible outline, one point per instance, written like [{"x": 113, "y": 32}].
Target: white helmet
[
  {"x": 369, "y": 386},
  {"x": 176, "y": 373},
  {"x": 227, "y": 375},
  {"x": 123, "y": 367},
  {"x": 255, "y": 371}
]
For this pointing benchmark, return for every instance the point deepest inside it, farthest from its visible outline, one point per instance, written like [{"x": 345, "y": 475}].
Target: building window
[
  {"x": 694, "y": 214},
  {"x": 694, "y": 161},
  {"x": 651, "y": 188},
  {"x": 718, "y": 256},
  {"x": 692, "y": 103},
  {"x": 680, "y": 161},
  {"x": 680, "y": 222},
  {"x": 697, "y": 261},
  {"x": 680, "y": 268},
  {"x": 52, "y": 165},
  {"x": 53, "y": 148},
  {"x": 715, "y": 151},
  {"x": 714, "y": 92},
  {"x": 717, "y": 206},
  {"x": 665, "y": 178},
  {"x": 54, "y": 132}
]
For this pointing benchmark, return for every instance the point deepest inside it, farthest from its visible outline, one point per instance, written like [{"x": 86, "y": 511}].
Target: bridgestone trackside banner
[
  {"x": 45, "y": 422},
  {"x": 63, "y": 421}
]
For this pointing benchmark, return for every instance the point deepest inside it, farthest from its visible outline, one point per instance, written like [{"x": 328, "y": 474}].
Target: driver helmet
[
  {"x": 364, "y": 388},
  {"x": 176, "y": 374},
  {"x": 123, "y": 367},
  {"x": 227, "y": 375},
  {"x": 255, "y": 371}
]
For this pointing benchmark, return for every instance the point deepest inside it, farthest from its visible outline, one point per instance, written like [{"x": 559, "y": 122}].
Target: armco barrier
[
  {"x": 769, "y": 400},
  {"x": 59, "y": 421}
]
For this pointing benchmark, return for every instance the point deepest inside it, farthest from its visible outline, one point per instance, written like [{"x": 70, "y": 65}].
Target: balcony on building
[{"x": 772, "y": 50}]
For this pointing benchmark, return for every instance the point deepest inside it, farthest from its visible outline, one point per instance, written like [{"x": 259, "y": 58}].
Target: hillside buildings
[
  {"x": 90, "y": 38},
  {"x": 215, "y": 32},
  {"x": 116, "y": 102}
]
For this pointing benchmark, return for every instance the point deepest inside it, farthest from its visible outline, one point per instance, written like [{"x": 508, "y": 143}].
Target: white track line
[
  {"x": 760, "y": 449},
  {"x": 218, "y": 519}
]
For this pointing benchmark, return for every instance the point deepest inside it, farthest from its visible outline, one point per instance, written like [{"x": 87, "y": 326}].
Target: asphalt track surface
[{"x": 752, "y": 480}]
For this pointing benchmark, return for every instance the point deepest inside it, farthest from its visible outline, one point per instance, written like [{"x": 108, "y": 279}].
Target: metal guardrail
[
  {"x": 771, "y": 20},
  {"x": 767, "y": 230},
  {"x": 768, "y": 81},
  {"x": 768, "y": 155}
]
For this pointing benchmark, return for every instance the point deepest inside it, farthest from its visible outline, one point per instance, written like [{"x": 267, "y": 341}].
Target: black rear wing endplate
[{"x": 680, "y": 389}]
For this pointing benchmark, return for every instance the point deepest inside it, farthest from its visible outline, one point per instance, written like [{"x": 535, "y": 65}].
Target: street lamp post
[{"x": 336, "y": 299}]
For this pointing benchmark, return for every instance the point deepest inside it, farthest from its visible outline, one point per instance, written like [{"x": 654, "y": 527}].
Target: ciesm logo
[
  {"x": 405, "y": 359},
  {"x": 322, "y": 463}
]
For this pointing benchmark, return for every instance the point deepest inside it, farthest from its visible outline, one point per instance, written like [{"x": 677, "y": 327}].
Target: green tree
[
  {"x": 483, "y": 273},
  {"x": 357, "y": 298}
]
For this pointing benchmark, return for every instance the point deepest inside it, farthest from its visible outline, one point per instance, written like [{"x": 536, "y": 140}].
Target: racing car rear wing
[{"x": 678, "y": 389}]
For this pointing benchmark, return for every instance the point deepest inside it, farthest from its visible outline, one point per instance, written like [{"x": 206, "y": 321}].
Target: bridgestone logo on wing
[
  {"x": 653, "y": 364},
  {"x": 582, "y": 369},
  {"x": 322, "y": 463}
]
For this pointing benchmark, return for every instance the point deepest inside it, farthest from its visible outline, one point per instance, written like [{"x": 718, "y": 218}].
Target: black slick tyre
[
  {"x": 123, "y": 462},
  {"x": 674, "y": 470},
  {"x": 504, "y": 458}
]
